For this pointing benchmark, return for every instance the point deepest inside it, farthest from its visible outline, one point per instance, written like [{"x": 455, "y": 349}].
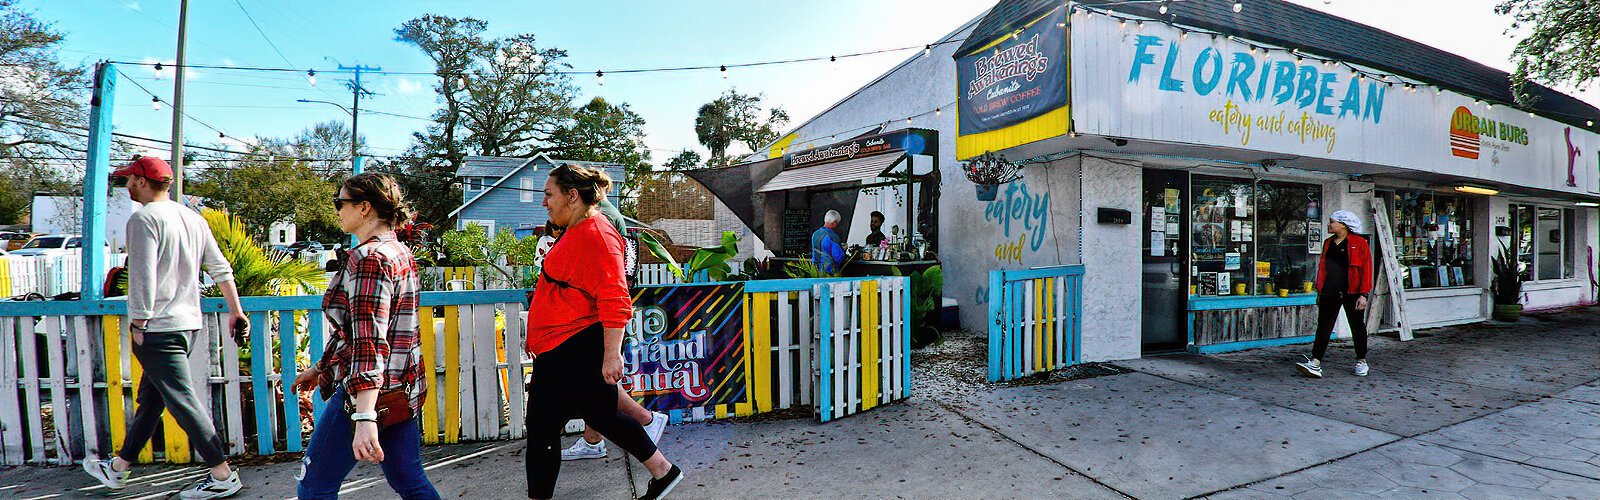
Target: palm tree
[{"x": 255, "y": 271}]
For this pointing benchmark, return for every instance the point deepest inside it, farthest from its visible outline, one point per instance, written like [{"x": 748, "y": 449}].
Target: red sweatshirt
[
  {"x": 1360, "y": 264},
  {"x": 588, "y": 258}
]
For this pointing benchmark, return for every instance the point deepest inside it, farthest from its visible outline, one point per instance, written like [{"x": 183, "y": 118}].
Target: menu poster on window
[
  {"x": 1224, "y": 286},
  {"x": 1173, "y": 203},
  {"x": 1234, "y": 228},
  {"x": 1158, "y": 244},
  {"x": 1172, "y": 226},
  {"x": 1314, "y": 237},
  {"x": 1246, "y": 230},
  {"x": 1208, "y": 283},
  {"x": 1230, "y": 261}
]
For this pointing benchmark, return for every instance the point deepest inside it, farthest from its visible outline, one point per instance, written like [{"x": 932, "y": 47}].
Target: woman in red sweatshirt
[
  {"x": 580, "y": 306},
  {"x": 1344, "y": 278}
]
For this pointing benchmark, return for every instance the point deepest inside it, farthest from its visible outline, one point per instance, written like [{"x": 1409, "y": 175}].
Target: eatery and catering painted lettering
[
  {"x": 1157, "y": 83},
  {"x": 1016, "y": 79}
]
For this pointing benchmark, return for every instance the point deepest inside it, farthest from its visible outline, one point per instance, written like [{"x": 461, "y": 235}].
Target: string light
[
  {"x": 311, "y": 76},
  {"x": 1588, "y": 123},
  {"x": 940, "y": 111},
  {"x": 1238, "y": 6},
  {"x": 158, "y": 70},
  {"x": 600, "y": 77},
  {"x": 1123, "y": 24},
  {"x": 155, "y": 103},
  {"x": 724, "y": 72},
  {"x": 1163, "y": 9},
  {"x": 927, "y": 51},
  {"x": 461, "y": 81}
]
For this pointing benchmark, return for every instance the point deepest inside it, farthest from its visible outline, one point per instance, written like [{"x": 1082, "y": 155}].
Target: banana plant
[{"x": 713, "y": 259}]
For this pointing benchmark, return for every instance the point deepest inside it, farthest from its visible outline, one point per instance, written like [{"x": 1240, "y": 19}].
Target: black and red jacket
[{"x": 1360, "y": 264}]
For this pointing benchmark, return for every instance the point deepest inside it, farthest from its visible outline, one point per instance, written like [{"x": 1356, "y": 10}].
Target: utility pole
[
  {"x": 356, "y": 90},
  {"x": 177, "y": 105}
]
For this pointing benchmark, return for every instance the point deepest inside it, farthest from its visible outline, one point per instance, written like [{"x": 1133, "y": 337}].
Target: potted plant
[
  {"x": 988, "y": 172},
  {"x": 1506, "y": 287}
]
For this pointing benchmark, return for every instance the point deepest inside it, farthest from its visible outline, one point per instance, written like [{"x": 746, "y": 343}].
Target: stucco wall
[{"x": 1111, "y": 260}]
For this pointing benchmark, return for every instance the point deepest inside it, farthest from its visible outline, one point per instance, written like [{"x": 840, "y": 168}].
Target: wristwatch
[{"x": 369, "y": 416}]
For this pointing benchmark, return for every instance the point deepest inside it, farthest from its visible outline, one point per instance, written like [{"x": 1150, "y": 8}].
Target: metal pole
[
  {"x": 96, "y": 176},
  {"x": 177, "y": 105},
  {"x": 355, "y": 114}
]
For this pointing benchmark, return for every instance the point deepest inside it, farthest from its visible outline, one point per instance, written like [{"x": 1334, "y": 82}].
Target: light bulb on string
[
  {"x": 938, "y": 111},
  {"x": 908, "y": 121},
  {"x": 158, "y": 68},
  {"x": 600, "y": 77},
  {"x": 1588, "y": 123},
  {"x": 155, "y": 103},
  {"x": 461, "y": 81},
  {"x": 927, "y": 50},
  {"x": 1238, "y": 6},
  {"x": 833, "y": 63},
  {"x": 311, "y": 77},
  {"x": 1163, "y": 9},
  {"x": 1123, "y": 24},
  {"x": 724, "y": 70}
]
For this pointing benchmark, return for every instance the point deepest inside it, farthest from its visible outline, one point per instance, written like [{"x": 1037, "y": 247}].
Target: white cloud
[
  {"x": 134, "y": 5},
  {"x": 408, "y": 86}
]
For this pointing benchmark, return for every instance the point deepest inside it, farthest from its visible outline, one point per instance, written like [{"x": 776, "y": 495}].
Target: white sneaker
[
  {"x": 108, "y": 475},
  {"x": 658, "y": 425},
  {"x": 210, "y": 487},
  {"x": 582, "y": 450},
  {"x": 1361, "y": 368},
  {"x": 1310, "y": 368}
]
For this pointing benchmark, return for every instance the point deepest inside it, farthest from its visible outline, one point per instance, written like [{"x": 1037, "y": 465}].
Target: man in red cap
[{"x": 168, "y": 245}]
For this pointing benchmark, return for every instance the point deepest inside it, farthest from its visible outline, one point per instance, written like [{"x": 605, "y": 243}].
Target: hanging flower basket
[{"x": 988, "y": 172}]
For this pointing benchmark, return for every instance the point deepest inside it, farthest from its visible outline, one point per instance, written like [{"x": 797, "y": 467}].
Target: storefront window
[
  {"x": 1543, "y": 239},
  {"x": 1254, "y": 238},
  {"x": 1285, "y": 256},
  {"x": 1222, "y": 238},
  {"x": 1434, "y": 235}
]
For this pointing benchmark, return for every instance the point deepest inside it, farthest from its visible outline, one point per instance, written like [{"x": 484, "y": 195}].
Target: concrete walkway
[{"x": 1478, "y": 411}]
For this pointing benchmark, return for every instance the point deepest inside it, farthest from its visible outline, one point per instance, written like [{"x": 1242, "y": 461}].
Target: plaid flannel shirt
[{"x": 372, "y": 306}]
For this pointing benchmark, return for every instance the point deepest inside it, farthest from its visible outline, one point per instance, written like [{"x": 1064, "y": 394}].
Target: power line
[
  {"x": 264, "y": 36},
  {"x": 720, "y": 67}
]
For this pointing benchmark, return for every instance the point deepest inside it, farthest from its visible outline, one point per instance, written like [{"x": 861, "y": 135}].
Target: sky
[{"x": 605, "y": 35}]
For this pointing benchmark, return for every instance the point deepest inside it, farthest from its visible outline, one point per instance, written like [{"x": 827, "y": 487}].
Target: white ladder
[{"x": 1391, "y": 268}]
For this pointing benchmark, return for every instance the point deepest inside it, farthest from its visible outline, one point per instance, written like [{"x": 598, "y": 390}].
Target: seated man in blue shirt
[{"x": 826, "y": 251}]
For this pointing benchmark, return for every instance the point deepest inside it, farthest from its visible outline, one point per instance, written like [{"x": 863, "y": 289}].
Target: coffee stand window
[
  {"x": 1254, "y": 237},
  {"x": 1434, "y": 235}
]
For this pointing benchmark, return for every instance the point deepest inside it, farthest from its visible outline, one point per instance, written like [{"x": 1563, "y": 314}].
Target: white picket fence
[{"x": 48, "y": 275}]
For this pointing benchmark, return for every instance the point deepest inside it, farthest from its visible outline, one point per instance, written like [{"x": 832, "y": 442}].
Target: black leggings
[
  {"x": 1327, "y": 314},
  {"x": 567, "y": 383}
]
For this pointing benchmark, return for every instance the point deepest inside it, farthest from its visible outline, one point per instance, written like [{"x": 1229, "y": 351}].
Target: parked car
[
  {"x": 299, "y": 247},
  {"x": 48, "y": 244},
  {"x": 14, "y": 241}
]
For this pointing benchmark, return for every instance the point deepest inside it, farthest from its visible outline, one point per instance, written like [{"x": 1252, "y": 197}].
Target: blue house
[{"x": 500, "y": 192}]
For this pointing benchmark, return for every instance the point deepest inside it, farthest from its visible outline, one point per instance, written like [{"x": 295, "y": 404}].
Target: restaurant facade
[{"x": 1189, "y": 159}]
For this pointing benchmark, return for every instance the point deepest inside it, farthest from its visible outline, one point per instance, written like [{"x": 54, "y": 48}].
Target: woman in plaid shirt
[{"x": 374, "y": 350}]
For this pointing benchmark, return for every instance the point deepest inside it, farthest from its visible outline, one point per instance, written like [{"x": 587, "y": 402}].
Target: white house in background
[
  {"x": 282, "y": 233},
  {"x": 58, "y": 214}
]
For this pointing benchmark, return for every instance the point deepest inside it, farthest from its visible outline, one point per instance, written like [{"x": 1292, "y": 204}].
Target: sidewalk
[{"x": 1477, "y": 411}]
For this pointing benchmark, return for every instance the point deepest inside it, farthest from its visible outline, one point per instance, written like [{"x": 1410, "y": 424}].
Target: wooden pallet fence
[
  {"x": 1035, "y": 320},
  {"x": 863, "y": 336}
]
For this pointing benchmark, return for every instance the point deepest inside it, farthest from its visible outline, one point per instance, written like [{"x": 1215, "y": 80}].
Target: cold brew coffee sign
[
  {"x": 1014, "y": 79},
  {"x": 684, "y": 347}
]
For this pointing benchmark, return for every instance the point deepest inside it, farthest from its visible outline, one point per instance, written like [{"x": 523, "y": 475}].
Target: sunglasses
[{"x": 338, "y": 203}]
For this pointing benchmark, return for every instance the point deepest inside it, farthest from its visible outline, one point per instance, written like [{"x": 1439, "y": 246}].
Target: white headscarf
[{"x": 1348, "y": 218}]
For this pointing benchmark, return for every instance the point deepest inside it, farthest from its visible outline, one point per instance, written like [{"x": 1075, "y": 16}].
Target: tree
[
  {"x": 453, "y": 45},
  {"x": 273, "y": 184},
  {"x": 329, "y": 144},
  {"x": 685, "y": 160},
  {"x": 600, "y": 131},
  {"x": 735, "y": 117},
  {"x": 42, "y": 112},
  {"x": 1564, "y": 47}
]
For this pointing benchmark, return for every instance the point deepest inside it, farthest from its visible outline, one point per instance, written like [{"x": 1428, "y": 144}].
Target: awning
[{"x": 831, "y": 173}]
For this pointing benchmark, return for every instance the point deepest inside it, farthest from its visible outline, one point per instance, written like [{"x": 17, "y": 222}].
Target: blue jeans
[{"x": 329, "y": 457}]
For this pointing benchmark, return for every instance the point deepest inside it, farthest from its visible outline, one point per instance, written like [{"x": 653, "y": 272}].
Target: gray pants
[{"x": 166, "y": 386}]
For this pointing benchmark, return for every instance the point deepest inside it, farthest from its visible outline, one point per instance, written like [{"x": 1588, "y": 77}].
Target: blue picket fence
[{"x": 1035, "y": 320}]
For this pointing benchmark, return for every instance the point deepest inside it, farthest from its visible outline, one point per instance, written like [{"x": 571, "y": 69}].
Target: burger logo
[{"x": 1464, "y": 138}]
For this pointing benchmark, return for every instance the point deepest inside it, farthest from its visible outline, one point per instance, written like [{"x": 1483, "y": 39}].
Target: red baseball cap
[{"x": 148, "y": 167}]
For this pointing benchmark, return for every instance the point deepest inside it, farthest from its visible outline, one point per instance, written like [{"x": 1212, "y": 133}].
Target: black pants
[
  {"x": 1328, "y": 306},
  {"x": 567, "y": 383},
  {"x": 165, "y": 385}
]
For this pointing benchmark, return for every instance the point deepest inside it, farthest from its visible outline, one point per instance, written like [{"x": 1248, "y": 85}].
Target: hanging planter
[{"x": 988, "y": 171}]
